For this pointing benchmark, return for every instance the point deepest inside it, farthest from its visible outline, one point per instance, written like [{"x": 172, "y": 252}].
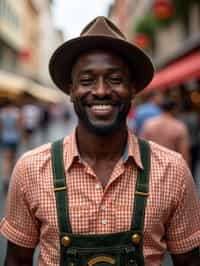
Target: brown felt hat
[{"x": 100, "y": 33}]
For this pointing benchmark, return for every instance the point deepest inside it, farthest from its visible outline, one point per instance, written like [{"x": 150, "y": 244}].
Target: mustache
[{"x": 107, "y": 100}]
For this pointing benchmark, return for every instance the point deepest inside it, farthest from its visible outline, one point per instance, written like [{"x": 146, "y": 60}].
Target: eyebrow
[{"x": 110, "y": 69}]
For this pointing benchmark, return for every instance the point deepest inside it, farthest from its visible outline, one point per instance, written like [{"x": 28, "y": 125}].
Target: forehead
[{"x": 99, "y": 59}]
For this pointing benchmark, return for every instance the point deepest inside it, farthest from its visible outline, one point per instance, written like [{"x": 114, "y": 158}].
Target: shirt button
[
  {"x": 103, "y": 207},
  {"x": 104, "y": 222},
  {"x": 98, "y": 186}
]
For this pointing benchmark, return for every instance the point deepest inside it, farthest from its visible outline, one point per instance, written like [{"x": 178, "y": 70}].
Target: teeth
[{"x": 102, "y": 107}]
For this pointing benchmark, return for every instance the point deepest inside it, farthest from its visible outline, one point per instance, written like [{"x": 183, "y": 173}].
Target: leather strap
[
  {"x": 60, "y": 186},
  {"x": 142, "y": 188}
]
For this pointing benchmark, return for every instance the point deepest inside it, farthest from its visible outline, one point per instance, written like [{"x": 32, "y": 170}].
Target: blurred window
[
  {"x": 1, "y": 8},
  {"x": 9, "y": 14}
]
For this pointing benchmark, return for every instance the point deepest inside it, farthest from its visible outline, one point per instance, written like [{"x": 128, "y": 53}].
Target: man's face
[{"x": 101, "y": 91}]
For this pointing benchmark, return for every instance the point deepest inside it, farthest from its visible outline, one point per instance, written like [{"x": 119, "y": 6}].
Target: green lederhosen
[{"x": 120, "y": 249}]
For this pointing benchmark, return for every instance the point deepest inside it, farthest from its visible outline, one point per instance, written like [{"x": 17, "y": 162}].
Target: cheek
[{"x": 78, "y": 92}]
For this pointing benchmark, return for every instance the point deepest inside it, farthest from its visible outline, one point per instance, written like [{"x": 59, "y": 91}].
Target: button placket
[
  {"x": 103, "y": 207},
  {"x": 104, "y": 221},
  {"x": 98, "y": 186}
]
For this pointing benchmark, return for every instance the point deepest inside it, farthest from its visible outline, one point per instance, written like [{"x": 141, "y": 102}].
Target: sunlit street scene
[{"x": 112, "y": 75}]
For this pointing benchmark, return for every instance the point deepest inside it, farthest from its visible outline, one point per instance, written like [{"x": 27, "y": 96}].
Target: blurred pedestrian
[
  {"x": 167, "y": 130},
  {"x": 101, "y": 196},
  {"x": 190, "y": 118},
  {"x": 11, "y": 130},
  {"x": 45, "y": 119},
  {"x": 31, "y": 119},
  {"x": 148, "y": 109}
]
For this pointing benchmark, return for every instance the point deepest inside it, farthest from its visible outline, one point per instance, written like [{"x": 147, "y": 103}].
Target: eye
[
  {"x": 85, "y": 81},
  {"x": 115, "y": 79}
]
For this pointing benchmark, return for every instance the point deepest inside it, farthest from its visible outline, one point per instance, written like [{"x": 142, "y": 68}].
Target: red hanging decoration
[
  {"x": 163, "y": 9},
  {"x": 142, "y": 40},
  {"x": 25, "y": 54}
]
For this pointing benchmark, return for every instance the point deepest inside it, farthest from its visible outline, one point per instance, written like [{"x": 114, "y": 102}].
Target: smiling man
[
  {"x": 101, "y": 196},
  {"x": 98, "y": 93}
]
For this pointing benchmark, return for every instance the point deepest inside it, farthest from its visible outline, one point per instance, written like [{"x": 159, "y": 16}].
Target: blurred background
[{"x": 33, "y": 111}]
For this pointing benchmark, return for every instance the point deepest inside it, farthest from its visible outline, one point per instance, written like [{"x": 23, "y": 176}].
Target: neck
[{"x": 101, "y": 147}]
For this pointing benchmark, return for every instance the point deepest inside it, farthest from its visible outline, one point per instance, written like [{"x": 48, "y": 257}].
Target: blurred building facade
[
  {"x": 49, "y": 38},
  {"x": 168, "y": 30},
  {"x": 127, "y": 14},
  {"x": 11, "y": 33},
  {"x": 27, "y": 39},
  {"x": 121, "y": 14},
  {"x": 29, "y": 57}
]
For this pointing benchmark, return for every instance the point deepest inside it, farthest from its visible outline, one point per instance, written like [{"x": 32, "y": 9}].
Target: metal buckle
[
  {"x": 141, "y": 193},
  {"x": 99, "y": 259},
  {"x": 60, "y": 188}
]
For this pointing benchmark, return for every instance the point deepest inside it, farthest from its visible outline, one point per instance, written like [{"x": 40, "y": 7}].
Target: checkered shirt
[{"x": 172, "y": 218}]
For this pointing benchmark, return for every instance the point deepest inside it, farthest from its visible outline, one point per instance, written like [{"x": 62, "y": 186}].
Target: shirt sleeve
[
  {"x": 19, "y": 224},
  {"x": 183, "y": 228}
]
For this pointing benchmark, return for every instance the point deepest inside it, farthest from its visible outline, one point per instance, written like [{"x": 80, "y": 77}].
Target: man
[
  {"x": 76, "y": 197},
  {"x": 149, "y": 109},
  {"x": 168, "y": 131}
]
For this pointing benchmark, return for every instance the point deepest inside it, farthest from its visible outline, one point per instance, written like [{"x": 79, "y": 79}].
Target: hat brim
[{"x": 62, "y": 60}]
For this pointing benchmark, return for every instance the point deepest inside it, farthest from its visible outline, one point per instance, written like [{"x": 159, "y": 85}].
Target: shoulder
[
  {"x": 153, "y": 121},
  {"x": 38, "y": 157},
  {"x": 34, "y": 168},
  {"x": 162, "y": 152},
  {"x": 166, "y": 159},
  {"x": 182, "y": 127},
  {"x": 169, "y": 172},
  {"x": 39, "y": 152}
]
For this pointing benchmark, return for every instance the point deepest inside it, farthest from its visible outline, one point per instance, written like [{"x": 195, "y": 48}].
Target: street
[{"x": 55, "y": 131}]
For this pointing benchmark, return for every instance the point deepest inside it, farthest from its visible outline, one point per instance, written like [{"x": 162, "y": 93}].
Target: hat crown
[{"x": 102, "y": 26}]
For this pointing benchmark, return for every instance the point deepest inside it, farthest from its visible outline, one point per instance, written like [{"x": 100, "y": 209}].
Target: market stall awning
[
  {"x": 12, "y": 83},
  {"x": 45, "y": 93},
  {"x": 15, "y": 85},
  {"x": 181, "y": 71}
]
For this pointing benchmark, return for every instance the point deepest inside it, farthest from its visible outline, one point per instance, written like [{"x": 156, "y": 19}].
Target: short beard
[{"x": 106, "y": 130}]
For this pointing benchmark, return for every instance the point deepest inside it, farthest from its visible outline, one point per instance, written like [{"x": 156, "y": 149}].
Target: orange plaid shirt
[{"x": 172, "y": 218}]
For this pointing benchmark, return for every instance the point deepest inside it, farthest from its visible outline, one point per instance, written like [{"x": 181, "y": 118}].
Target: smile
[{"x": 102, "y": 107}]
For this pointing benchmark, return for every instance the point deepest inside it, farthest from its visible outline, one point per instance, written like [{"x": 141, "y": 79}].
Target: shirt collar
[
  {"x": 132, "y": 150},
  {"x": 71, "y": 153}
]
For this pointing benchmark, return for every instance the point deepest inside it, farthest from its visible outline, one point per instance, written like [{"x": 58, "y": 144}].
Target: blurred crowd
[
  {"x": 19, "y": 123},
  {"x": 174, "y": 124},
  {"x": 154, "y": 116}
]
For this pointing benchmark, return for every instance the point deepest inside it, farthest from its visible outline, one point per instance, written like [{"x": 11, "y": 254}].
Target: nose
[{"x": 101, "y": 88}]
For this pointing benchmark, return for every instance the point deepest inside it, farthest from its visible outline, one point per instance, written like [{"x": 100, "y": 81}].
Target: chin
[{"x": 103, "y": 130}]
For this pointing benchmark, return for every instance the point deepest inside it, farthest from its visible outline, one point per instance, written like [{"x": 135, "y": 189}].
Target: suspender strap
[
  {"x": 60, "y": 186},
  {"x": 142, "y": 188}
]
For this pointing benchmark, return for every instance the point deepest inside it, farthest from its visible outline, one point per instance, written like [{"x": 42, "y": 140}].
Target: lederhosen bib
[{"x": 119, "y": 249}]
